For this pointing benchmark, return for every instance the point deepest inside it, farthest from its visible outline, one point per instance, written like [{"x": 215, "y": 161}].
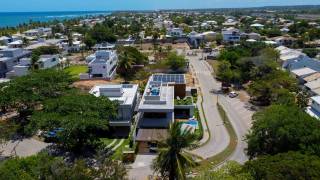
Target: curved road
[{"x": 238, "y": 114}]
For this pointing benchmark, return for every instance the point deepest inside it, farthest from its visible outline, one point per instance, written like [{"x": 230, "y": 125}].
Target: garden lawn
[{"x": 75, "y": 70}]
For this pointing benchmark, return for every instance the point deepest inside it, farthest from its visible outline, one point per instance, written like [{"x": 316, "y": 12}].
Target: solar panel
[{"x": 177, "y": 78}]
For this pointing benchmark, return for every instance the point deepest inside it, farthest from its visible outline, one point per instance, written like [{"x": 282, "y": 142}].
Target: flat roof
[
  {"x": 303, "y": 71},
  {"x": 128, "y": 92}
]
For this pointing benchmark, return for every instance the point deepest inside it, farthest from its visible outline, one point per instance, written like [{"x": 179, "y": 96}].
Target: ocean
[{"x": 12, "y": 19}]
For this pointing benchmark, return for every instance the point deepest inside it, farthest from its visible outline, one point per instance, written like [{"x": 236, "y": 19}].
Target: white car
[{"x": 233, "y": 94}]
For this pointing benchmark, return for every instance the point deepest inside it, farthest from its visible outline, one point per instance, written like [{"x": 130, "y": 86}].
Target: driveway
[
  {"x": 23, "y": 148},
  {"x": 141, "y": 168}
]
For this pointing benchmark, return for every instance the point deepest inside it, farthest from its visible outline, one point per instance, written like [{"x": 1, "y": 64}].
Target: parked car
[{"x": 233, "y": 94}]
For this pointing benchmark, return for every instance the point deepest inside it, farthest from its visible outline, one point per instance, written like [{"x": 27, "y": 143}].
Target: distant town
[{"x": 168, "y": 94}]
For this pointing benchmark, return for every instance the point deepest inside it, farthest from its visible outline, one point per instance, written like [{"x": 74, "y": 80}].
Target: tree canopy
[
  {"x": 282, "y": 128},
  {"x": 80, "y": 116},
  {"x": 175, "y": 61},
  {"x": 291, "y": 165}
]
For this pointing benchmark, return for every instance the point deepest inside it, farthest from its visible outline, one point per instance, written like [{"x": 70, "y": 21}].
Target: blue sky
[{"x": 88, "y": 5}]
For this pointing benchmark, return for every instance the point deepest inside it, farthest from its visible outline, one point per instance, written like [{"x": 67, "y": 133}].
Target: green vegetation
[
  {"x": 43, "y": 166},
  {"x": 231, "y": 171},
  {"x": 129, "y": 60},
  {"x": 291, "y": 165},
  {"x": 172, "y": 161},
  {"x": 176, "y": 62},
  {"x": 184, "y": 101},
  {"x": 80, "y": 116},
  {"x": 257, "y": 64},
  {"x": 75, "y": 70},
  {"x": 282, "y": 128}
]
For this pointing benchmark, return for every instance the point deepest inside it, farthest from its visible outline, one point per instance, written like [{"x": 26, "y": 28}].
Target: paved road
[
  {"x": 236, "y": 110},
  {"x": 219, "y": 136}
]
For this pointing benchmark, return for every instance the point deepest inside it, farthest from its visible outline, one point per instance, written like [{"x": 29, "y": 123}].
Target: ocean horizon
[{"x": 12, "y": 19}]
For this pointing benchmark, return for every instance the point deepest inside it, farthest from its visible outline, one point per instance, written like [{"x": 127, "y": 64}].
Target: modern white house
[
  {"x": 257, "y": 25},
  {"x": 231, "y": 34},
  {"x": 314, "y": 109},
  {"x": 21, "y": 69},
  {"x": 127, "y": 97},
  {"x": 9, "y": 58},
  {"x": 157, "y": 108},
  {"x": 4, "y": 40},
  {"x": 175, "y": 32},
  {"x": 102, "y": 64},
  {"x": 74, "y": 47},
  {"x": 48, "y": 61}
]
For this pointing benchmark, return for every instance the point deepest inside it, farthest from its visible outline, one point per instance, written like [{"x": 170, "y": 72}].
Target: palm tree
[
  {"x": 125, "y": 64},
  {"x": 172, "y": 160}
]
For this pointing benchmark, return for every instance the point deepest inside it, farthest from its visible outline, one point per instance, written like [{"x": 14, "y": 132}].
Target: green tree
[
  {"x": 175, "y": 61},
  {"x": 224, "y": 71},
  {"x": 81, "y": 118},
  {"x": 292, "y": 165},
  {"x": 281, "y": 128},
  {"x": 43, "y": 166},
  {"x": 172, "y": 161},
  {"x": 89, "y": 41}
]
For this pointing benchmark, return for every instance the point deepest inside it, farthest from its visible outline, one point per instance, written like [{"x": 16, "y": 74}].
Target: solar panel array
[{"x": 177, "y": 78}]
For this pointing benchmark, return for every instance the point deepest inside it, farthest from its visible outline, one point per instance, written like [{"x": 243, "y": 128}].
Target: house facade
[
  {"x": 314, "y": 109},
  {"x": 127, "y": 97},
  {"x": 9, "y": 58},
  {"x": 157, "y": 109},
  {"x": 231, "y": 35},
  {"x": 103, "y": 64}
]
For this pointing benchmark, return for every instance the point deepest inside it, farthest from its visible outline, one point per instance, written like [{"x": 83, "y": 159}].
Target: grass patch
[
  {"x": 214, "y": 64},
  {"x": 219, "y": 158},
  {"x": 117, "y": 155},
  {"x": 75, "y": 70}
]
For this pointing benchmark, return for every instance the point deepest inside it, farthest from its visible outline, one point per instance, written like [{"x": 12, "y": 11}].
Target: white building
[
  {"x": 314, "y": 109},
  {"x": 125, "y": 94},
  {"x": 38, "y": 32},
  {"x": 293, "y": 59},
  {"x": 103, "y": 64},
  {"x": 175, "y": 32},
  {"x": 9, "y": 58},
  {"x": 231, "y": 35},
  {"x": 20, "y": 69},
  {"x": 48, "y": 61},
  {"x": 301, "y": 73}
]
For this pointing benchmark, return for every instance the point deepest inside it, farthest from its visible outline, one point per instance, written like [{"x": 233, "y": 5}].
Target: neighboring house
[
  {"x": 254, "y": 36},
  {"x": 38, "y": 32},
  {"x": 4, "y": 40},
  {"x": 127, "y": 97},
  {"x": 312, "y": 77},
  {"x": 292, "y": 59},
  {"x": 20, "y": 69},
  {"x": 313, "y": 87},
  {"x": 230, "y": 23},
  {"x": 257, "y": 25},
  {"x": 104, "y": 46},
  {"x": 301, "y": 73},
  {"x": 157, "y": 109},
  {"x": 284, "y": 40},
  {"x": 314, "y": 109},
  {"x": 74, "y": 47},
  {"x": 9, "y": 58},
  {"x": 103, "y": 64},
  {"x": 48, "y": 61},
  {"x": 231, "y": 35},
  {"x": 15, "y": 44},
  {"x": 175, "y": 32}
]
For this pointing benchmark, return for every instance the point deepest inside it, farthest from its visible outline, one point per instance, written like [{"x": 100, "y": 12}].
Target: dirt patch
[
  {"x": 244, "y": 96},
  {"x": 86, "y": 85}
]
